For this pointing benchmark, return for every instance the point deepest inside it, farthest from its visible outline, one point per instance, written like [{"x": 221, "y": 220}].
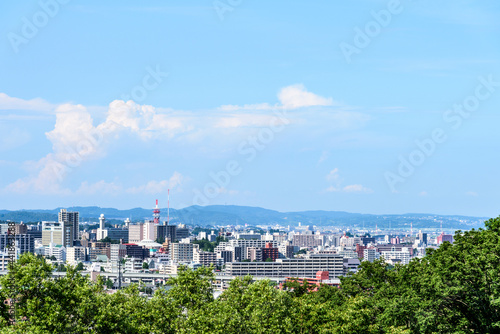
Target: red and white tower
[{"x": 156, "y": 214}]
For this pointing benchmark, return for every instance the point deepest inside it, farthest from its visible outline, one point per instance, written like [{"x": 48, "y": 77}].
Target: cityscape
[
  {"x": 249, "y": 167},
  {"x": 158, "y": 247}
]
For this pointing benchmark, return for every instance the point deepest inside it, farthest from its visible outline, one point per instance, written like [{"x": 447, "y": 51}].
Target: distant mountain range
[{"x": 239, "y": 215}]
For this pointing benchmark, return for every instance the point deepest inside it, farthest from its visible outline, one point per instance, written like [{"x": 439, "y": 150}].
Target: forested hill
[{"x": 239, "y": 215}]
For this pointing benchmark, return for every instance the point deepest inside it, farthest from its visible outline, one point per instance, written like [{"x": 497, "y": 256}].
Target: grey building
[
  {"x": 72, "y": 219},
  {"x": 300, "y": 267},
  {"x": 24, "y": 243},
  {"x": 118, "y": 234}
]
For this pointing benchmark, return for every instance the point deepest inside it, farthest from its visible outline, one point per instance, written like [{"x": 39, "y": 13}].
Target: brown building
[{"x": 270, "y": 252}]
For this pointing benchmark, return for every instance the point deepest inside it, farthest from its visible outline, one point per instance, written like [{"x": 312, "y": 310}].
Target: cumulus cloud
[
  {"x": 290, "y": 97},
  {"x": 76, "y": 139},
  {"x": 296, "y": 96}
]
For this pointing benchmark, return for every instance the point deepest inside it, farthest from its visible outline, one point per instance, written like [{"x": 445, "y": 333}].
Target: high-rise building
[
  {"x": 181, "y": 252},
  {"x": 181, "y": 233},
  {"x": 72, "y": 219},
  {"x": 24, "y": 243},
  {"x": 370, "y": 254},
  {"x": 57, "y": 233},
  {"x": 270, "y": 252},
  {"x": 149, "y": 230},
  {"x": 118, "y": 252},
  {"x": 444, "y": 237},
  {"x": 135, "y": 232},
  {"x": 422, "y": 237}
]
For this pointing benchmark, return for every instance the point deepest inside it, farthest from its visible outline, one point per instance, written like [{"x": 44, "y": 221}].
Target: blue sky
[{"x": 361, "y": 106}]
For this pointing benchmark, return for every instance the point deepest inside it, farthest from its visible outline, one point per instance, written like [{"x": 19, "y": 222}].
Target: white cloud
[
  {"x": 423, "y": 193},
  {"x": 290, "y": 97},
  {"x": 76, "y": 139},
  {"x": 296, "y": 96},
  {"x": 14, "y": 103},
  {"x": 472, "y": 193},
  {"x": 357, "y": 188},
  {"x": 156, "y": 187}
]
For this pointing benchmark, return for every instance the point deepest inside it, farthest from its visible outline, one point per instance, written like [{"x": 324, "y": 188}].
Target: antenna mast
[{"x": 156, "y": 214}]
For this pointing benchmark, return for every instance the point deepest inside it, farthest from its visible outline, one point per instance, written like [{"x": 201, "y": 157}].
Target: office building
[
  {"x": 270, "y": 252},
  {"x": 135, "y": 232},
  {"x": 134, "y": 250},
  {"x": 118, "y": 234},
  {"x": 181, "y": 233},
  {"x": 58, "y": 233}
]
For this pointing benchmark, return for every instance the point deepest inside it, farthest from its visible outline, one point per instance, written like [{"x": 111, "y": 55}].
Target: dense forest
[{"x": 454, "y": 289}]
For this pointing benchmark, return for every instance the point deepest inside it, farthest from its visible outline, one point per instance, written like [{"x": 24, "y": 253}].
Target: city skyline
[{"x": 291, "y": 107}]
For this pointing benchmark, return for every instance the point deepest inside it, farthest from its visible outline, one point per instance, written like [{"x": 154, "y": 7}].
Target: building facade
[{"x": 299, "y": 267}]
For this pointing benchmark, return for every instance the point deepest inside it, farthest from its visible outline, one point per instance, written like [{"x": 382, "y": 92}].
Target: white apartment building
[
  {"x": 117, "y": 251},
  {"x": 206, "y": 259},
  {"x": 181, "y": 252},
  {"x": 403, "y": 255},
  {"x": 58, "y": 251},
  {"x": 370, "y": 254},
  {"x": 75, "y": 254}
]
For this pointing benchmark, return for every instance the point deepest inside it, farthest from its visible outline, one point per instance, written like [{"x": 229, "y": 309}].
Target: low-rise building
[{"x": 299, "y": 267}]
